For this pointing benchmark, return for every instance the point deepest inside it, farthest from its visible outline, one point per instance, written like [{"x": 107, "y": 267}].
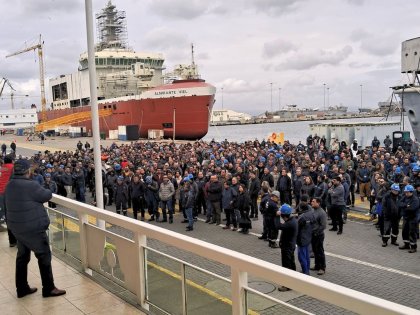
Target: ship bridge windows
[
  {"x": 167, "y": 125},
  {"x": 59, "y": 91}
]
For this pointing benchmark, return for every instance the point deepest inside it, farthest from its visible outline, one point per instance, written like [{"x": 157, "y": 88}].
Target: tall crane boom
[{"x": 41, "y": 73}]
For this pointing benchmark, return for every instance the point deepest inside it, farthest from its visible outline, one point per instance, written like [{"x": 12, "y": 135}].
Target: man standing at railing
[{"x": 29, "y": 221}]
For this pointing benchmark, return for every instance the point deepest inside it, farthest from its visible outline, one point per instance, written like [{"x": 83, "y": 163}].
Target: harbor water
[{"x": 293, "y": 131}]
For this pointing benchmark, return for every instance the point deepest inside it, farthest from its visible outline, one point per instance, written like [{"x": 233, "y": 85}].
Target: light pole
[
  {"x": 271, "y": 103},
  {"x": 361, "y": 97},
  {"x": 324, "y": 97},
  {"x": 328, "y": 97},
  {"x": 222, "y": 98},
  {"x": 279, "y": 98},
  {"x": 94, "y": 109}
]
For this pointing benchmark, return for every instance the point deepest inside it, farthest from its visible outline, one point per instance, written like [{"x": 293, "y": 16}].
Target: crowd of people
[{"x": 292, "y": 188}]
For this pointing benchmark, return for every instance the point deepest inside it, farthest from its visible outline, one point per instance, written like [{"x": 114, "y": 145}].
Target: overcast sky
[{"x": 241, "y": 45}]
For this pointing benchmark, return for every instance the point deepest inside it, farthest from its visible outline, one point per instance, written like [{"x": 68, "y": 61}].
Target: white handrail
[{"x": 349, "y": 299}]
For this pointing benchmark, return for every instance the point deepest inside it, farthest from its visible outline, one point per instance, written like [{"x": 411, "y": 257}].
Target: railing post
[
  {"x": 141, "y": 243},
  {"x": 83, "y": 220},
  {"x": 239, "y": 280},
  {"x": 184, "y": 290}
]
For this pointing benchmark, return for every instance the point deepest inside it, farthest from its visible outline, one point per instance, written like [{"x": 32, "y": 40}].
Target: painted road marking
[
  {"x": 364, "y": 263},
  {"x": 403, "y": 273}
]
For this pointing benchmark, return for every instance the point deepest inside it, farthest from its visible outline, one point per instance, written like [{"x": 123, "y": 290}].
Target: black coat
[
  {"x": 137, "y": 190},
  {"x": 254, "y": 188},
  {"x": 390, "y": 204},
  {"x": 215, "y": 191},
  {"x": 24, "y": 202}
]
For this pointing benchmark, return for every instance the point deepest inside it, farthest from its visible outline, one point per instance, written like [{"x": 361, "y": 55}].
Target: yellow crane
[{"x": 41, "y": 73}]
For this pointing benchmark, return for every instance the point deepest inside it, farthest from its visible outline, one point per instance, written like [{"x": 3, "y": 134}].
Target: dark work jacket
[
  {"x": 121, "y": 193},
  {"x": 306, "y": 222},
  {"x": 268, "y": 178},
  {"x": 289, "y": 231},
  {"x": 66, "y": 179},
  {"x": 137, "y": 190},
  {"x": 243, "y": 202},
  {"x": 229, "y": 198},
  {"x": 254, "y": 188},
  {"x": 271, "y": 208},
  {"x": 284, "y": 183},
  {"x": 390, "y": 206},
  {"x": 24, "y": 202},
  {"x": 409, "y": 207},
  {"x": 297, "y": 184},
  {"x": 215, "y": 191},
  {"x": 264, "y": 203}
]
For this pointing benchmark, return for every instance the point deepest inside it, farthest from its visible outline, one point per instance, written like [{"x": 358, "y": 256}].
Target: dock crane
[
  {"x": 3, "y": 83},
  {"x": 41, "y": 73}
]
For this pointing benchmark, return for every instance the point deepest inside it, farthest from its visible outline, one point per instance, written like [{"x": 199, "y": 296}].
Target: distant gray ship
[{"x": 293, "y": 111}]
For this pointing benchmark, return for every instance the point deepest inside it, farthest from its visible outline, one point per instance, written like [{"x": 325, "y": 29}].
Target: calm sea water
[{"x": 293, "y": 131}]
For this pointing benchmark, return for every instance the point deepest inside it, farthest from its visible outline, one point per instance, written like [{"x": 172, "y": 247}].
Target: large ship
[{"x": 132, "y": 89}]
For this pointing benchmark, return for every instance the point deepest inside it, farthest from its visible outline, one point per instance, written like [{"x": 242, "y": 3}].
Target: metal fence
[{"x": 163, "y": 284}]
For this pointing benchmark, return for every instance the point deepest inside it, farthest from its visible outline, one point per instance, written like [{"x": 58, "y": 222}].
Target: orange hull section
[{"x": 192, "y": 115}]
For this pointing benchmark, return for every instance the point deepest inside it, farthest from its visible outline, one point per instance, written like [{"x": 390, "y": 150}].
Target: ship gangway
[{"x": 71, "y": 119}]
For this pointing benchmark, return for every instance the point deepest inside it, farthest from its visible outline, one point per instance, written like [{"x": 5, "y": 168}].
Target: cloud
[
  {"x": 302, "y": 81},
  {"x": 274, "y": 7},
  {"x": 378, "y": 44},
  {"x": 278, "y": 47},
  {"x": 321, "y": 57},
  {"x": 163, "y": 38},
  {"x": 233, "y": 85},
  {"x": 45, "y": 7},
  {"x": 359, "y": 65},
  {"x": 179, "y": 9},
  {"x": 356, "y": 2},
  {"x": 192, "y": 9}
]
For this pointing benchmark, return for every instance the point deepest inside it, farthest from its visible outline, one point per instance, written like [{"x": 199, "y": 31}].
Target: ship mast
[{"x": 111, "y": 28}]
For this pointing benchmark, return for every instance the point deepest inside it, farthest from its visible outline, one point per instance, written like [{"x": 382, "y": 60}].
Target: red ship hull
[{"x": 189, "y": 115}]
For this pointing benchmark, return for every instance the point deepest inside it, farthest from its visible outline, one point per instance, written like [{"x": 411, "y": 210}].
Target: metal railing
[{"x": 147, "y": 272}]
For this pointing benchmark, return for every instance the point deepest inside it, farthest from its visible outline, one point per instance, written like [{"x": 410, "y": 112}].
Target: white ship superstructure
[{"x": 120, "y": 70}]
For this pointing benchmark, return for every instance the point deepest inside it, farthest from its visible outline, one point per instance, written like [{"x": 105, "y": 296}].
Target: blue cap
[
  {"x": 416, "y": 168},
  {"x": 61, "y": 166},
  {"x": 262, "y": 159},
  {"x": 48, "y": 165},
  {"x": 120, "y": 178},
  {"x": 225, "y": 161},
  {"x": 398, "y": 170},
  {"x": 408, "y": 188},
  {"x": 336, "y": 158},
  {"x": 117, "y": 167},
  {"x": 149, "y": 179},
  {"x": 285, "y": 209},
  {"x": 211, "y": 156},
  {"x": 186, "y": 179},
  {"x": 395, "y": 187},
  {"x": 190, "y": 176},
  {"x": 47, "y": 175}
]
